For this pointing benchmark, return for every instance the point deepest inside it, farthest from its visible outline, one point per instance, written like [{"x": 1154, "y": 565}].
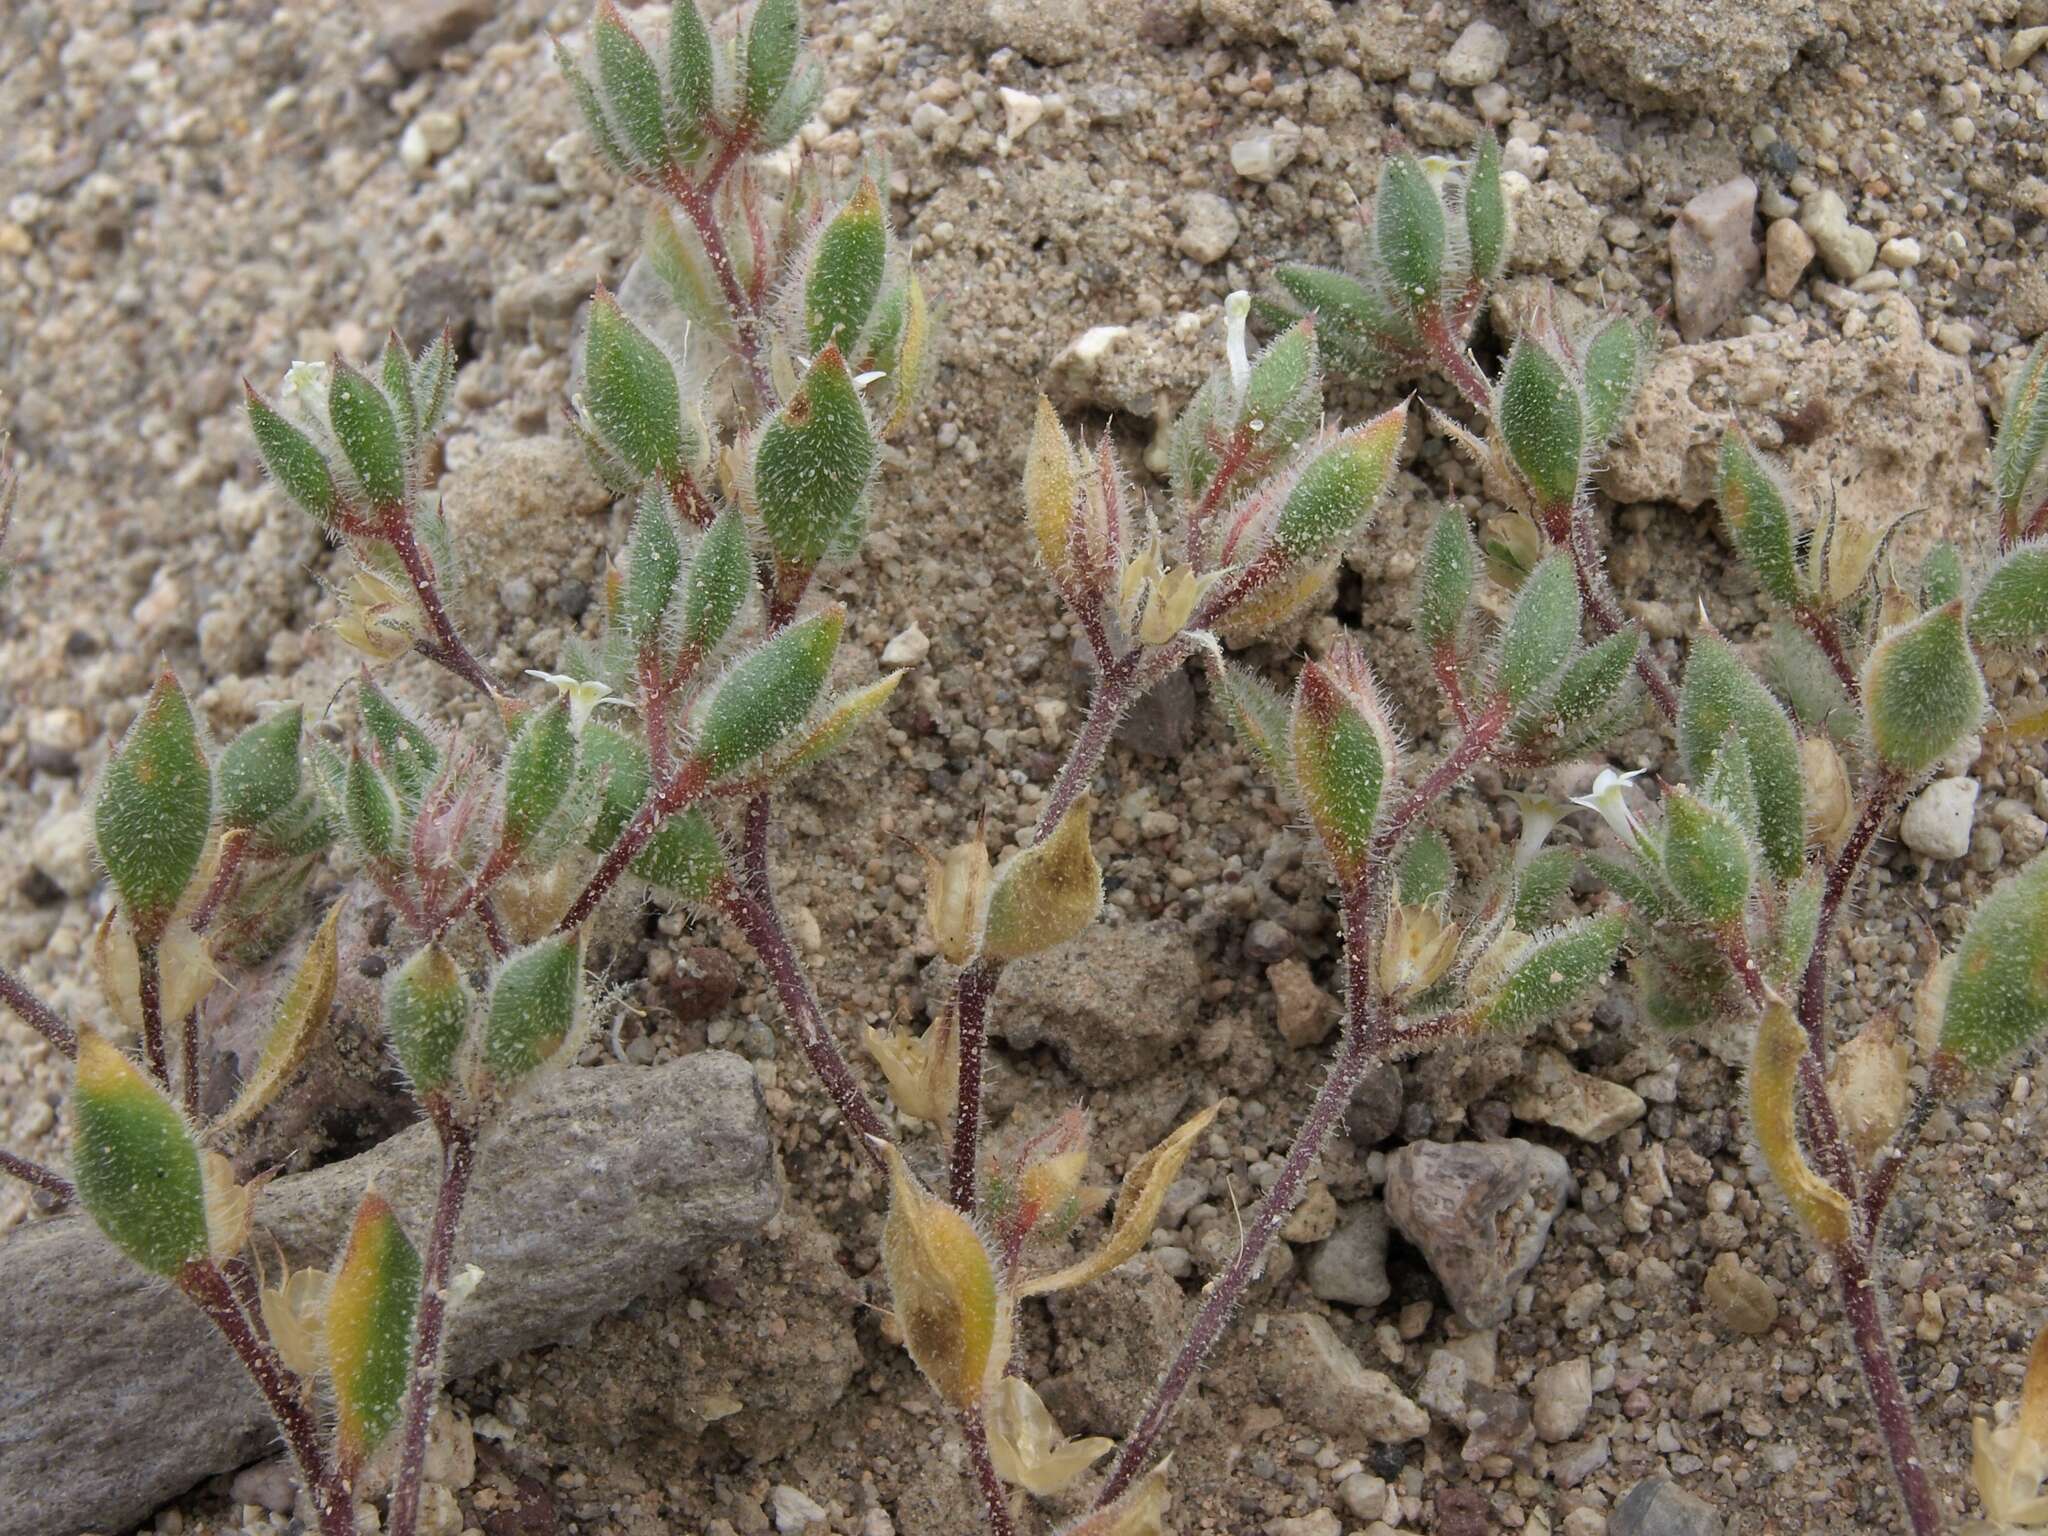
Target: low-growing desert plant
[{"x": 651, "y": 763}]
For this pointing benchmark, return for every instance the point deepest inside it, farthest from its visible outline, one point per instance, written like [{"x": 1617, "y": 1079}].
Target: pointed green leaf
[
  {"x": 1561, "y": 967},
  {"x": 593, "y": 111},
  {"x": 428, "y": 1006},
  {"x": 259, "y": 772},
  {"x": 692, "y": 75},
  {"x": 1409, "y": 232},
  {"x": 1260, "y": 716},
  {"x": 534, "y": 1008},
  {"x": 1540, "y": 883},
  {"x": 292, "y": 459},
  {"x": 1354, "y": 328},
  {"x": 135, "y": 1161},
  {"x": 371, "y": 1307},
  {"x": 155, "y": 808},
  {"x": 1616, "y": 360},
  {"x": 405, "y": 750},
  {"x": 1595, "y": 680},
  {"x": 1542, "y": 631},
  {"x": 1795, "y": 932},
  {"x": 630, "y": 388},
  {"x": 774, "y": 38},
  {"x": 683, "y": 858},
  {"x": 768, "y": 693},
  {"x": 1338, "y": 489},
  {"x": 368, "y": 433},
  {"x": 1487, "y": 227},
  {"x": 619, "y": 763},
  {"x": 1997, "y": 1000},
  {"x": 300, "y": 1016},
  {"x": 371, "y": 809},
  {"x": 793, "y": 108},
  {"x": 398, "y": 387},
  {"x": 632, "y": 89},
  {"x": 1730, "y": 785},
  {"x": 1756, "y": 508},
  {"x": 1344, "y": 754},
  {"x": 1427, "y": 869},
  {"x": 1922, "y": 692},
  {"x": 2012, "y": 608},
  {"x": 1721, "y": 695},
  {"x": 812, "y": 463},
  {"x": 2022, "y": 436},
  {"x": 1543, "y": 422},
  {"x": 654, "y": 563},
  {"x": 1706, "y": 858},
  {"x": 845, "y": 275},
  {"x": 540, "y": 765},
  {"x": 1280, "y": 404},
  {"x": 434, "y": 371},
  {"x": 1444, "y": 585},
  {"x": 721, "y": 575}
]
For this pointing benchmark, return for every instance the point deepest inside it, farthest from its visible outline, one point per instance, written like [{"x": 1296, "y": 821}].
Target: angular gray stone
[
  {"x": 1694, "y": 55},
  {"x": 1480, "y": 1212},
  {"x": 115, "y": 1394},
  {"x": 1317, "y": 1379},
  {"x": 1113, "y": 1003},
  {"x": 1659, "y": 1507}
]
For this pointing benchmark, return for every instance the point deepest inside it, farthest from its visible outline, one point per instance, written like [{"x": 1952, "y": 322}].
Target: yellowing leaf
[
  {"x": 942, "y": 1284},
  {"x": 1137, "y": 1208},
  {"x": 1026, "y": 1444},
  {"x": 299, "y": 1020},
  {"x": 370, "y": 1310},
  {"x": 923, "y": 1073},
  {"x": 184, "y": 970},
  {"x": 1051, "y": 476},
  {"x": 1774, "y": 1116},
  {"x": 1045, "y": 895},
  {"x": 1140, "y": 1512}
]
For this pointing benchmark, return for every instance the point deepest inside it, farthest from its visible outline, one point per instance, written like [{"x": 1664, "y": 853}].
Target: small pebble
[
  {"x": 907, "y": 649},
  {"x": 1476, "y": 57},
  {"x": 1900, "y": 253},
  {"x": 1021, "y": 112},
  {"x": 1937, "y": 823},
  {"x": 1263, "y": 156}
]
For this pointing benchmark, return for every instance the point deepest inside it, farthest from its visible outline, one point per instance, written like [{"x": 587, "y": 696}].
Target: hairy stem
[
  {"x": 665, "y": 802},
  {"x": 447, "y": 647},
  {"x": 1598, "y": 595},
  {"x": 36, "y": 1013},
  {"x": 150, "y": 988},
  {"x": 971, "y": 996},
  {"x": 698, "y": 206},
  {"x": 1455, "y": 362},
  {"x": 234, "y": 847},
  {"x": 188, "y": 1063},
  {"x": 1887, "y": 1394},
  {"x": 1883, "y": 796},
  {"x": 1829, "y": 639},
  {"x": 203, "y": 1281},
  {"x": 458, "y": 1162},
  {"x": 993, "y": 1498},
  {"x": 48, "y": 1180},
  {"x": 1942, "y": 1081}
]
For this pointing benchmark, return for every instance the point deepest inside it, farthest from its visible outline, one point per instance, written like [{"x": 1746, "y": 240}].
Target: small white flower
[
  {"x": 863, "y": 380},
  {"x": 1236, "y": 309},
  {"x": 1540, "y": 816},
  {"x": 1606, "y": 798},
  {"x": 305, "y": 385},
  {"x": 584, "y": 696}
]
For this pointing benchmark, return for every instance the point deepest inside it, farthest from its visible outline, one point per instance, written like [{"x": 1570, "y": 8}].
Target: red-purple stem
[
  {"x": 150, "y": 989},
  {"x": 394, "y": 525},
  {"x": 48, "y": 1180},
  {"x": 992, "y": 1495},
  {"x": 234, "y": 847},
  {"x": 1598, "y": 595},
  {"x": 1829, "y": 639},
  {"x": 971, "y": 994},
  {"x": 1887, "y": 1394},
  {"x": 458, "y": 1162},
  {"x": 36, "y": 1013},
  {"x": 188, "y": 1063},
  {"x": 697, "y": 203},
  {"x": 665, "y": 802},
  {"x": 211, "y": 1291},
  {"x": 1456, "y": 364}
]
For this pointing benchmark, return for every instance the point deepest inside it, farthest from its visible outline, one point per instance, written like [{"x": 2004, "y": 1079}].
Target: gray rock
[
  {"x": 1351, "y": 1265},
  {"x": 1113, "y": 1003},
  {"x": 1714, "y": 257},
  {"x": 1659, "y": 1507},
  {"x": 1374, "y": 1112},
  {"x": 1563, "y": 1396},
  {"x": 1476, "y": 57},
  {"x": 416, "y": 33},
  {"x": 118, "y": 1395},
  {"x": 1480, "y": 1212},
  {"x": 1846, "y": 250},
  {"x": 1208, "y": 227},
  {"x": 1690, "y": 54}
]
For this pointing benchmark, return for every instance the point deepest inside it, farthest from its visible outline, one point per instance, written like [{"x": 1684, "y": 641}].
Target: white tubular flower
[
  {"x": 1236, "y": 310},
  {"x": 1605, "y": 798},
  {"x": 305, "y": 385},
  {"x": 584, "y": 697},
  {"x": 1540, "y": 816}
]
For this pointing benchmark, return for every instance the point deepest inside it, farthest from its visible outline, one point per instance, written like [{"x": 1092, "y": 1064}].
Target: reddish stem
[
  {"x": 188, "y": 1063},
  {"x": 36, "y": 1013},
  {"x": 1443, "y": 661},
  {"x": 150, "y": 988},
  {"x": 684, "y": 788},
  {"x": 1451, "y": 357},
  {"x": 394, "y": 525},
  {"x": 458, "y": 1162},
  {"x": 282, "y": 1391},
  {"x": 493, "y": 927},
  {"x": 1219, "y": 484},
  {"x": 698, "y": 207},
  {"x": 234, "y": 847},
  {"x": 48, "y": 1180},
  {"x": 993, "y": 1498},
  {"x": 1829, "y": 639},
  {"x": 1887, "y": 1394},
  {"x": 1885, "y": 792},
  {"x": 1598, "y": 596},
  {"x": 971, "y": 994}
]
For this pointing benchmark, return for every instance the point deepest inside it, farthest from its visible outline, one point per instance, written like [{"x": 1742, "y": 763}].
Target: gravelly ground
[{"x": 193, "y": 191}]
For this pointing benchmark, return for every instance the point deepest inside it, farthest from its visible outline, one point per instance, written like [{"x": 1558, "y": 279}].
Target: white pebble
[
  {"x": 1937, "y": 823},
  {"x": 1021, "y": 112},
  {"x": 907, "y": 649},
  {"x": 1900, "y": 253}
]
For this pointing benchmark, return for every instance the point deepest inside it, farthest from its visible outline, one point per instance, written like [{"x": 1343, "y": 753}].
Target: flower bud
[
  {"x": 292, "y": 458},
  {"x": 428, "y": 1006},
  {"x": 955, "y": 890}
]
